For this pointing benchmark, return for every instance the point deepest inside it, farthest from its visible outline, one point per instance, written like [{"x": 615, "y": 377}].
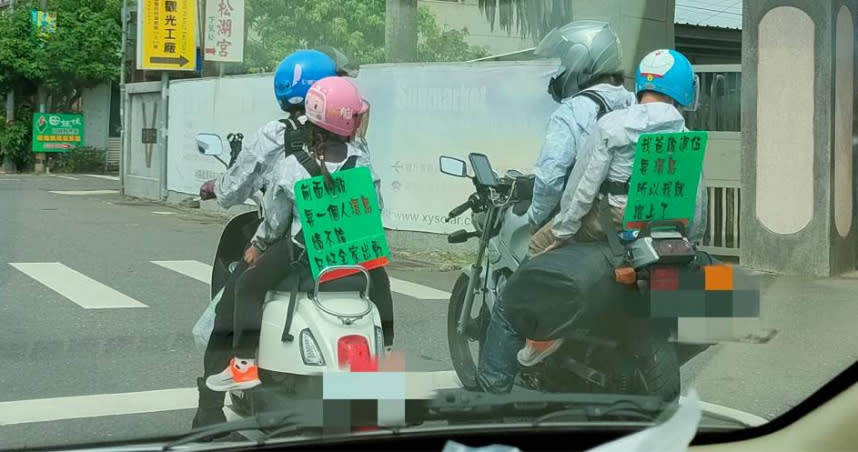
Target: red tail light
[
  {"x": 664, "y": 278},
  {"x": 353, "y": 353}
]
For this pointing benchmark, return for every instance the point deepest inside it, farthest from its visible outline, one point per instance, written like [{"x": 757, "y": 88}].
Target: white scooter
[{"x": 307, "y": 329}]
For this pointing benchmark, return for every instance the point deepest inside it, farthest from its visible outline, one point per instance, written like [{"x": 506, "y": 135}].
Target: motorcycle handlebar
[{"x": 460, "y": 209}]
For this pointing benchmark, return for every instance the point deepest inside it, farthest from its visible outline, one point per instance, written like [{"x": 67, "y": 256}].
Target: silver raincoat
[
  {"x": 254, "y": 166},
  {"x": 279, "y": 208},
  {"x": 257, "y": 166},
  {"x": 610, "y": 155},
  {"x": 568, "y": 130}
]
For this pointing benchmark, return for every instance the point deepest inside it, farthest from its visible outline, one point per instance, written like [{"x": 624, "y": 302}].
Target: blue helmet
[
  {"x": 667, "y": 72},
  {"x": 297, "y": 73}
]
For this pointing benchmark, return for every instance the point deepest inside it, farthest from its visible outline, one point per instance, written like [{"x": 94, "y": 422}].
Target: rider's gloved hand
[{"x": 207, "y": 190}]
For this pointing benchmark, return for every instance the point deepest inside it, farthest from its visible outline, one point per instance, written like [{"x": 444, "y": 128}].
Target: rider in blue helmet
[
  {"x": 257, "y": 167},
  {"x": 664, "y": 84}
]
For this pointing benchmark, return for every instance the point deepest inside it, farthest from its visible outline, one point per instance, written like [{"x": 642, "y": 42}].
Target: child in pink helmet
[{"x": 334, "y": 109}]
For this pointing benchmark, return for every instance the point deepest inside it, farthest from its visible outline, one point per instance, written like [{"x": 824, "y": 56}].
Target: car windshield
[{"x": 217, "y": 214}]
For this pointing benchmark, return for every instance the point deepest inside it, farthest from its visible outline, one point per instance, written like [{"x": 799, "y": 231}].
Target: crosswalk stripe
[
  {"x": 195, "y": 269},
  {"x": 420, "y": 384},
  {"x": 65, "y": 177},
  {"x": 415, "y": 290},
  {"x": 77, "y": 287},
  {"x": 202, "y": 272}
]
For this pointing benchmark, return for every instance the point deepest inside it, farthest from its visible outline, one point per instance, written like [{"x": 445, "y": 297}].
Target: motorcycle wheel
[
  {"x": 652, "y": 368},
  {"x": 464, "y": 358}
]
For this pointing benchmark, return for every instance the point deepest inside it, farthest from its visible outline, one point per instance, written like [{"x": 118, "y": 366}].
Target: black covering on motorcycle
[{"x": 557, "y": 292}]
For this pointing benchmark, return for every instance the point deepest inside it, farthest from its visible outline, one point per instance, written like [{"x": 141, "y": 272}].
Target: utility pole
[
  {"x": 41, "y": 164},
  {"x": 123, "y": 103},
  {"x": 400, "y": 31},
  {"x": 10, "y": 108}
]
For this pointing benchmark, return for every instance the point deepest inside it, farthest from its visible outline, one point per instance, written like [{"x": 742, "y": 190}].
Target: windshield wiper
[
  {"x": 543, "y": 407},
  {"x": 279, "y": 420}
]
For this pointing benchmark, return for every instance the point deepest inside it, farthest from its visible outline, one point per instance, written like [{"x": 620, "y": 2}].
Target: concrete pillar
[{"x": 798, "y": 76}]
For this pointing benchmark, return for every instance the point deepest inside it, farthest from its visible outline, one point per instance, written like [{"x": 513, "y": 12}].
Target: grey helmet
[
  {"x": 345, "y": 67},
  {"x": 587, "y": 49}
]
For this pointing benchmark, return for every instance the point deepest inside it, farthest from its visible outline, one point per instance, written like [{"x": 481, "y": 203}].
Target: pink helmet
[{"x": 335, "y": 104}]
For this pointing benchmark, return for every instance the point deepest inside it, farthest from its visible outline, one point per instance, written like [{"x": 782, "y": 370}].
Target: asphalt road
[{"x": 53, "y": 348}]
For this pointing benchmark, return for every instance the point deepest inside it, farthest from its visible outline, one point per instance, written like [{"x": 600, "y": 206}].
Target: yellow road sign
[{"x": 167, "y": 35}]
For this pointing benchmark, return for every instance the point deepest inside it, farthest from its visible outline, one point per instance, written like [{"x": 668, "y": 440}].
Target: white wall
[{"x": 419, "y": 112}]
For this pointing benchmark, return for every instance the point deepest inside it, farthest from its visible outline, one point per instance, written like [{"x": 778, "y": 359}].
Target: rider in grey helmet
[{"x": 589, "y": 84}]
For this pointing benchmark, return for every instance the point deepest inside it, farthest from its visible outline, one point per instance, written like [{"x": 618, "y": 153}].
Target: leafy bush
[
  {"x": 15, "y": 143},
  {"x": 80, "y": 160}
]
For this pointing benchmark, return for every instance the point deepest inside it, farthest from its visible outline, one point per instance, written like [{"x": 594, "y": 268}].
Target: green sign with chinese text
[
  {"x": 664, "y": 180},
  {"x": 341, "y": 222},
  {"x": 57, "y": 132}
]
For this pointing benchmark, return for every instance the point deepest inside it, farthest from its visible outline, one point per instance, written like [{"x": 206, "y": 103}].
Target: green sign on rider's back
[
  {"x": 664, "y": 180},
  {"x": 341, "y": 222}
]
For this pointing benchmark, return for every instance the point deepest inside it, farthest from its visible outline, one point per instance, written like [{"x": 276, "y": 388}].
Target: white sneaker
[
  {"x": 535, "y": 351},
  {"x": 239, "y": 375}
]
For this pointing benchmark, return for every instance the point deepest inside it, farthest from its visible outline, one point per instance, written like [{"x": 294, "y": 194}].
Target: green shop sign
[{"x": 57, "y": 132}]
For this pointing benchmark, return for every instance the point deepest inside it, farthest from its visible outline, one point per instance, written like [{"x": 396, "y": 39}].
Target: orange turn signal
[{"x": 625, "y": 275}]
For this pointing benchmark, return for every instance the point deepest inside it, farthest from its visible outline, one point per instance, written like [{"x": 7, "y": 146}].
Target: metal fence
[{"x": 719, "y": 112}]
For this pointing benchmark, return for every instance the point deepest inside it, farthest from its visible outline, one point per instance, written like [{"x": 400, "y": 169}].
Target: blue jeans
[{"x": 498, "y": 364}]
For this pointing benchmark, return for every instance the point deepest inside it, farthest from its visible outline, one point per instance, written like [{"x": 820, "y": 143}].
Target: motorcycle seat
[{"x": 351, "y": 283}]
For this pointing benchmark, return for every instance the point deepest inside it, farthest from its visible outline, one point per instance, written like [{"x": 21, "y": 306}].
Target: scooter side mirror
[
  {"x": 453, "y": 166},
  {"x": 209, "y": 144}
]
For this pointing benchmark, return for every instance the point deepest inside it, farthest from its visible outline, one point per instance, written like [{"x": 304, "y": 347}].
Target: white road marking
[
  {"x": 419, "y": 384},
  {"x": 195, "y": 269},
  {"x": 103, "y": 176},
  {"x": 76, "y": 407},
  {"x": 202, "y": 272},
  {"x": 742, "y": 416},
  {"x": 8, "y": 179},
  {"x": 77, "y": 287},
  {"x": 65, "y": 177},
  {"x": 161, "y": 212},
  {"x": 415, "y": 290},
  {"x": 84, "y": 192}
]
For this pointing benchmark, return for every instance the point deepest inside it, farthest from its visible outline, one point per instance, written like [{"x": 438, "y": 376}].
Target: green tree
[
  {"x": 83, "y": 52},
  {"x": 355, "y": 27},
  {"x": 531, "y": 18}
]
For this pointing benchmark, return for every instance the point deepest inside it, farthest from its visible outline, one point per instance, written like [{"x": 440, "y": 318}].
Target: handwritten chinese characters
[
  {"x": 664, "y": 180},
  {"x": 341, "y": 222}
]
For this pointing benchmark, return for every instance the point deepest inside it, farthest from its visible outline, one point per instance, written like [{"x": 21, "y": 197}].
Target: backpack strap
[
  {"x": 598, "y": 100},
  {"x": 294, "y": 137},
  {"x": 350, "y": 163}
]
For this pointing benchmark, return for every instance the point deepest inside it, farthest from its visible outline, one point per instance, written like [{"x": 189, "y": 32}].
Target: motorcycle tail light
[
  {"x": 664, "y": 278},
  {"x": 353, "y": 353}
]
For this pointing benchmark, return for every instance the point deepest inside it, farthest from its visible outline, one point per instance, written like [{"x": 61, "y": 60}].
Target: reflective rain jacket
[
  {"x": 609, "y": 155},
  {"x": 254, "y": 166},
  {"x": 568, "y": 129},
  {"x": 279, "y": 210}
]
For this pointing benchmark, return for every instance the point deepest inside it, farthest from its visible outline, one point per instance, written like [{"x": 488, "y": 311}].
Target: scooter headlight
[{"x": 310, "y": 351}]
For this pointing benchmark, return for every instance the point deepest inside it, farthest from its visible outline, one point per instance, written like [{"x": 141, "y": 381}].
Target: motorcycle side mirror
[
  {"x": 209, "y": 144},
  {"x": 453, "y": 166}
]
